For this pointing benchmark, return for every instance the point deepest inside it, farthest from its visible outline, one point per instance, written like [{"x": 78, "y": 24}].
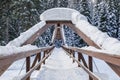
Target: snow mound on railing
[
  {"x": 58, "y": 14},
  {"x": 26, "y": 35},
  {"x": 100, "y": 38},
  {"x": 91, "y": 48},
  {"x": 8, "y": 50}
]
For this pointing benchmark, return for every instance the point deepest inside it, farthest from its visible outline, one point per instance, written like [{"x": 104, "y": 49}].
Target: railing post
[
  {"x": 28, "y": 66},
  {"x": 73, "y": 55},
  {"x": 79, "y": 58},
  {"x": 39, "y": 58},
  {"x": 44, "y": 56},
  {"x": 90, "y": 65}
]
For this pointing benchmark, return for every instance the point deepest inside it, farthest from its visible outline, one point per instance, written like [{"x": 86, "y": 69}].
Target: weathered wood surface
[
  {"x": 35, "y": 67},
  {"x": 6, "y": 61},
  {"x": 89, "y": 42},
  {"x": 91, "y": 74}
]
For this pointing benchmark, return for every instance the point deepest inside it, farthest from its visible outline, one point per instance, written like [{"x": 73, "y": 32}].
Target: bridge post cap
[
  {"x": 59, "y": 14},
  {"x": 76, "y": 16}
]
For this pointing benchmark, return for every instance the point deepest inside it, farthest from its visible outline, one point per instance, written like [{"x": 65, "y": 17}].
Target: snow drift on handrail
[
  {"x": 58, "y": 14},
  {"x": 99, "y": 37},
  {"x": 26, "y": 35}
]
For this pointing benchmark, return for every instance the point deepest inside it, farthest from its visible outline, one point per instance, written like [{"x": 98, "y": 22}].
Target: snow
[
  {"x": 8, "y": 50},
  {"x": 59, "y": 66},
  {"x": 99, "y": 37},
  {"x": 26, "y": 35},
  {"x": 63, "y": 35},
  {"x": 77, "y": 16},
  {"x": 91, "y": 48},
  {"x": 57, "y": 14},
  {"x": 17, "y": 71},
  {"x": 59, "y": 60},
  {"x": 104, "y": 70}
]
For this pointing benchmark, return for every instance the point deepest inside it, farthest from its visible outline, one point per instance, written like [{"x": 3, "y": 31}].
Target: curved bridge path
[{"x": 59, "y": 66}]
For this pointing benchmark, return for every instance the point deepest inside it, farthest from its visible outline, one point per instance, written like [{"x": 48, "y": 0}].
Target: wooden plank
[
  {"x": 44, "y": 56},
  {"x": 90, "y": 66},
  {"x": 100, "y": 55},
  {"x": 35, "y": 61},
  {"x": 83, "y": 60},
  {"x": 39, "y": 58},
  {"x": 58, "y": 34},
  {"x": 58, "y": 22},
  {"x": 79, "y": 57},
  {"x": 54, "y": 35},
  {"x": 94, "y": 77},
  {"x": 3, "y": 69},
  {"x": 82, "y": 35},
  {"x": 62, "y": 34},
  {"x": 7, "y": 60},
  {"x": 103, "y": 56},
  {"x": 35, "y": 67},
  {"x": 37, "y": 34},
  {"x": 115, "y": 68},
  {"x": 27, "y": 66},
  {"x": 32, "y": 39},
  {"x": 88, "y": 41},
  {"x": 73, "y": 54}
]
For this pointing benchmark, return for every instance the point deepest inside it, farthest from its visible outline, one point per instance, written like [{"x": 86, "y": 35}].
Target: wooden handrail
[
  {"x": 7, "y": 60},
  {"x": 91, "y": 43},
  {"x": 35, "y": 67},
  {"x": 86, "y": 69},
  {"x": 100, "y": 55}
]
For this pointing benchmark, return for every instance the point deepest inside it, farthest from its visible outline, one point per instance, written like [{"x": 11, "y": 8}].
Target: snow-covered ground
[{"x": 59, "y": 66}]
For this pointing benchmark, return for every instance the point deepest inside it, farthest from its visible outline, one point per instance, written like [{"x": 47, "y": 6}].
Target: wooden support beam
[
  {"x": 83, "y": 60},
  {"x": 91, "y": 74},
  {"x": 90, "y": 65},
  {"x": 79, "y": 57},
  {"x": 116, "y": 68},
  {"x": 35, "y": 67},
  {"x": 54, "y": 35},
  {"x": 62, "y": 33},
  {"x": 58, "y": 22},
  {"x": 27, "y": 66},
  {"x": 35, "y": 60},
  {"x": 44, "y": 56},
  {"x": 29, "y": 41},
  {"x": 6, "y": 61},
  {"x": 73, "y": 54},
  {"x": 39, "y": 58},
  {"x": 37, "y": 34},
  {"x": 82, "y": 35},
  {"x": 4, "y": 68},
  {"x": 88, "y": 41},
  {"x": 111, "y": 60}
]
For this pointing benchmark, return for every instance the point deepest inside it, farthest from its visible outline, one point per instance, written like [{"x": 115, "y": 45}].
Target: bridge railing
[
  {"x": 29, "y": 70},
  {"x": 9, "y": 59},
  {"x": 111, "y": 59},
  {"x": 87, "y": 68}
]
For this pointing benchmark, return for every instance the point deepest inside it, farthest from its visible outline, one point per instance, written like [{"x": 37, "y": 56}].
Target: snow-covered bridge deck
[{"x": 59, "y": 64}]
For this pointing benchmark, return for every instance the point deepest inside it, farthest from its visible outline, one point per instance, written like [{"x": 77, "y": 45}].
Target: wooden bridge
[{"x": 6, "y": 60}]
